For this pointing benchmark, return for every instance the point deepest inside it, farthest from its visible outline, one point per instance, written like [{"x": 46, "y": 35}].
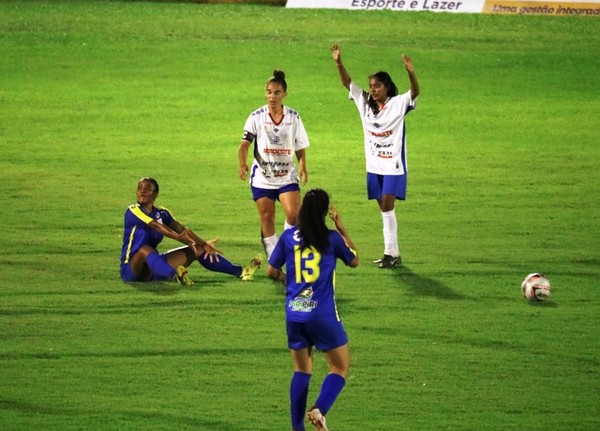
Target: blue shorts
[
  {"x": 379, "y": 185},
  {"x": 127, "y": 274},
  {"x": 273, "y": 194},
  {"x": 323, "y": 335}
]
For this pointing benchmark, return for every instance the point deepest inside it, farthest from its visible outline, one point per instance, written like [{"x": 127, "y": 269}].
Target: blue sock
[
  {"x": 331, "y": 388},
  {"x": 159, "y": 266},
  {"x": 223, "y": 265},
  {"x": 298, "y": 396}
]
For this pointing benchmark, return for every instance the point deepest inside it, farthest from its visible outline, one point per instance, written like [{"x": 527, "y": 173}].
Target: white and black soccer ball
[{"x": 536, "y": 287}]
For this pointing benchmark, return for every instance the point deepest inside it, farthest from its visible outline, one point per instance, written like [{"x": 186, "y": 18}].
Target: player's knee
[{"x": 145, "y": 250}]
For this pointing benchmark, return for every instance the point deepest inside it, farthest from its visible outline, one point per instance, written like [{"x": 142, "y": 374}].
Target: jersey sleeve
[
  {"x": 407, "y": 103},
  {"x": 301, "y": 139},
  {"x": 277, "y": 258},
  {"x": 250, "y": 128},
  {"x": 359, "y": 96}
]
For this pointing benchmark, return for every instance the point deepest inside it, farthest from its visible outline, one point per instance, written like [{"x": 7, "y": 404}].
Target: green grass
[{"x": 504, "y": 160}]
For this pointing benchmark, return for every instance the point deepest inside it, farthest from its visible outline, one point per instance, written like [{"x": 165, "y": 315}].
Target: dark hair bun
[{"x": 279, "y": 74}]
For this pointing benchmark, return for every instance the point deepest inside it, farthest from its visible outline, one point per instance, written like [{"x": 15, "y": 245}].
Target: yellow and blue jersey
[
  {"x": 137, "y": 233},
  {"x": 310, "y": 275}
]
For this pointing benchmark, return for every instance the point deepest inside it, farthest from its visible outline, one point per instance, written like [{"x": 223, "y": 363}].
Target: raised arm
[
  {"x": 337, "y": 220},
  {"x": 414, "y": 84},
  {"x": 337, "y": 57}
]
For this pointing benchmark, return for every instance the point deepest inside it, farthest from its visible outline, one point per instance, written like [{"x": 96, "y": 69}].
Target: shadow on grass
[
  {"x": 147, "y": 353},
  {"x": 425, "y": 286},
  {"x": 279, "y": 289},
  {"x": 544, "y": 304},
  {"x": 118, "y": 415},
  {"x": 159, "y": 287},
  {"x": 172, "y": 288}
]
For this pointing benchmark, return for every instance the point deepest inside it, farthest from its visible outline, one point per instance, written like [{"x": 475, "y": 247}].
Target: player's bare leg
[
  {"x": 266, "y": 211},
  {"x": 290, "y": 202}
]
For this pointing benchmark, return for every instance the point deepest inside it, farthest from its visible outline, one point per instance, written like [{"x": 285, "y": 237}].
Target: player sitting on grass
[{"x": 145, "y": 227}]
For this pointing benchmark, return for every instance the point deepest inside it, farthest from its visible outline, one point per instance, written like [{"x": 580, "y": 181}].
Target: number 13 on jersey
[{"x": 307, "y": 264}]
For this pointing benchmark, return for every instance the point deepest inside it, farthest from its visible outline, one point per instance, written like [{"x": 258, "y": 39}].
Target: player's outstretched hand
[
  {"x": 335, "y": 51},
  {"x": 408, "y": 63},
  {"x": 333, "y": 213},
  {"x": 337, "y": 219},
  {"x": 210, "y": 251}
]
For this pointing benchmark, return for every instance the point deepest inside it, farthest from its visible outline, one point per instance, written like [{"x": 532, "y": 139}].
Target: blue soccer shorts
[
  {"x": 324, "y": 336},
  {"x": 273, "y": 194},
  {"x": 379, "y": 185}
]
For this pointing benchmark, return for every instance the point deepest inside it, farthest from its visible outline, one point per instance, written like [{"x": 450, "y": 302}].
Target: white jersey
[
  {"x": 384, "y": 134},
  {"x": 275, "y": 146}
]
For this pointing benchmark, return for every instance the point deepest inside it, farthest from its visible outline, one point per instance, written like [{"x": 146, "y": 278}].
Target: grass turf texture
[{"x": 504, "y": 176}]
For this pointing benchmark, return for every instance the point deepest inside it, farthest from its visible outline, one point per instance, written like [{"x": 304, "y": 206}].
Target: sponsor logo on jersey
[
  {"x": 304, "y": 303},
  {"x": 278, "y": 151},
  {"x": 297, "y": 236},
  {"x": 382, "y": 134},
  {"x": 306, "y": 293}
]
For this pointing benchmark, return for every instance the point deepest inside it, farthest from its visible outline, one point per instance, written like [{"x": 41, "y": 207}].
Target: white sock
[
  {"x": 390, "y": 233},
  {"x": 286, "y": 225},
  {"x": 269, "y": 243}
]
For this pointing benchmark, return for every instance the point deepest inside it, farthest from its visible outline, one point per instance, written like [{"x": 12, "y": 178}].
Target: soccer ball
[{"x": 536, "y": 287}]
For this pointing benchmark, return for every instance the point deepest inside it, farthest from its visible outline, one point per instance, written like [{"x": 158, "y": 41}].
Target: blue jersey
[
  {"x": 137, "y": 233},
  {"x": 310, "y": 275}
]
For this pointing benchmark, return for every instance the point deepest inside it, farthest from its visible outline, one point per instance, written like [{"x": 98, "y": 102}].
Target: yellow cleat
[
  {"x": 182, "y": 277},
  {"x": 251, "y": 267}
]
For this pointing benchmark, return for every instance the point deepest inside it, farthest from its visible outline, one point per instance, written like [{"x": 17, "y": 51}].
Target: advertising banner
[
  {"x": 513, "y": 7},
  {"x": 568, "y": 8},
  {"x": 397, "y": 5}
]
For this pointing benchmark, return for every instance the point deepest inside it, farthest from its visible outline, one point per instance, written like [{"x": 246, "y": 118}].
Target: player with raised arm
[{"x": 382, "y": 111}]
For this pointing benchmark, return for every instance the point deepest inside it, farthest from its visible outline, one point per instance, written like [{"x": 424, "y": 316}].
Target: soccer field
[{"x": 504, "y": 176}]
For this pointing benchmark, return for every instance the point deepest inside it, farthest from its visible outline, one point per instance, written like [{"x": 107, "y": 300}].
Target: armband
[{"x": 247, "y": 136}]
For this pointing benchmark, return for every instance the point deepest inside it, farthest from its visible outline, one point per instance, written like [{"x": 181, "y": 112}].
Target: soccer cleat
[
  {"x": 389, "y": 261},
  {"x": 315, "y": 417},
  {"x": 376, "y": 261},
  {"x": 182, "y": 277},
  {"x": 251, "y": 267}
]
